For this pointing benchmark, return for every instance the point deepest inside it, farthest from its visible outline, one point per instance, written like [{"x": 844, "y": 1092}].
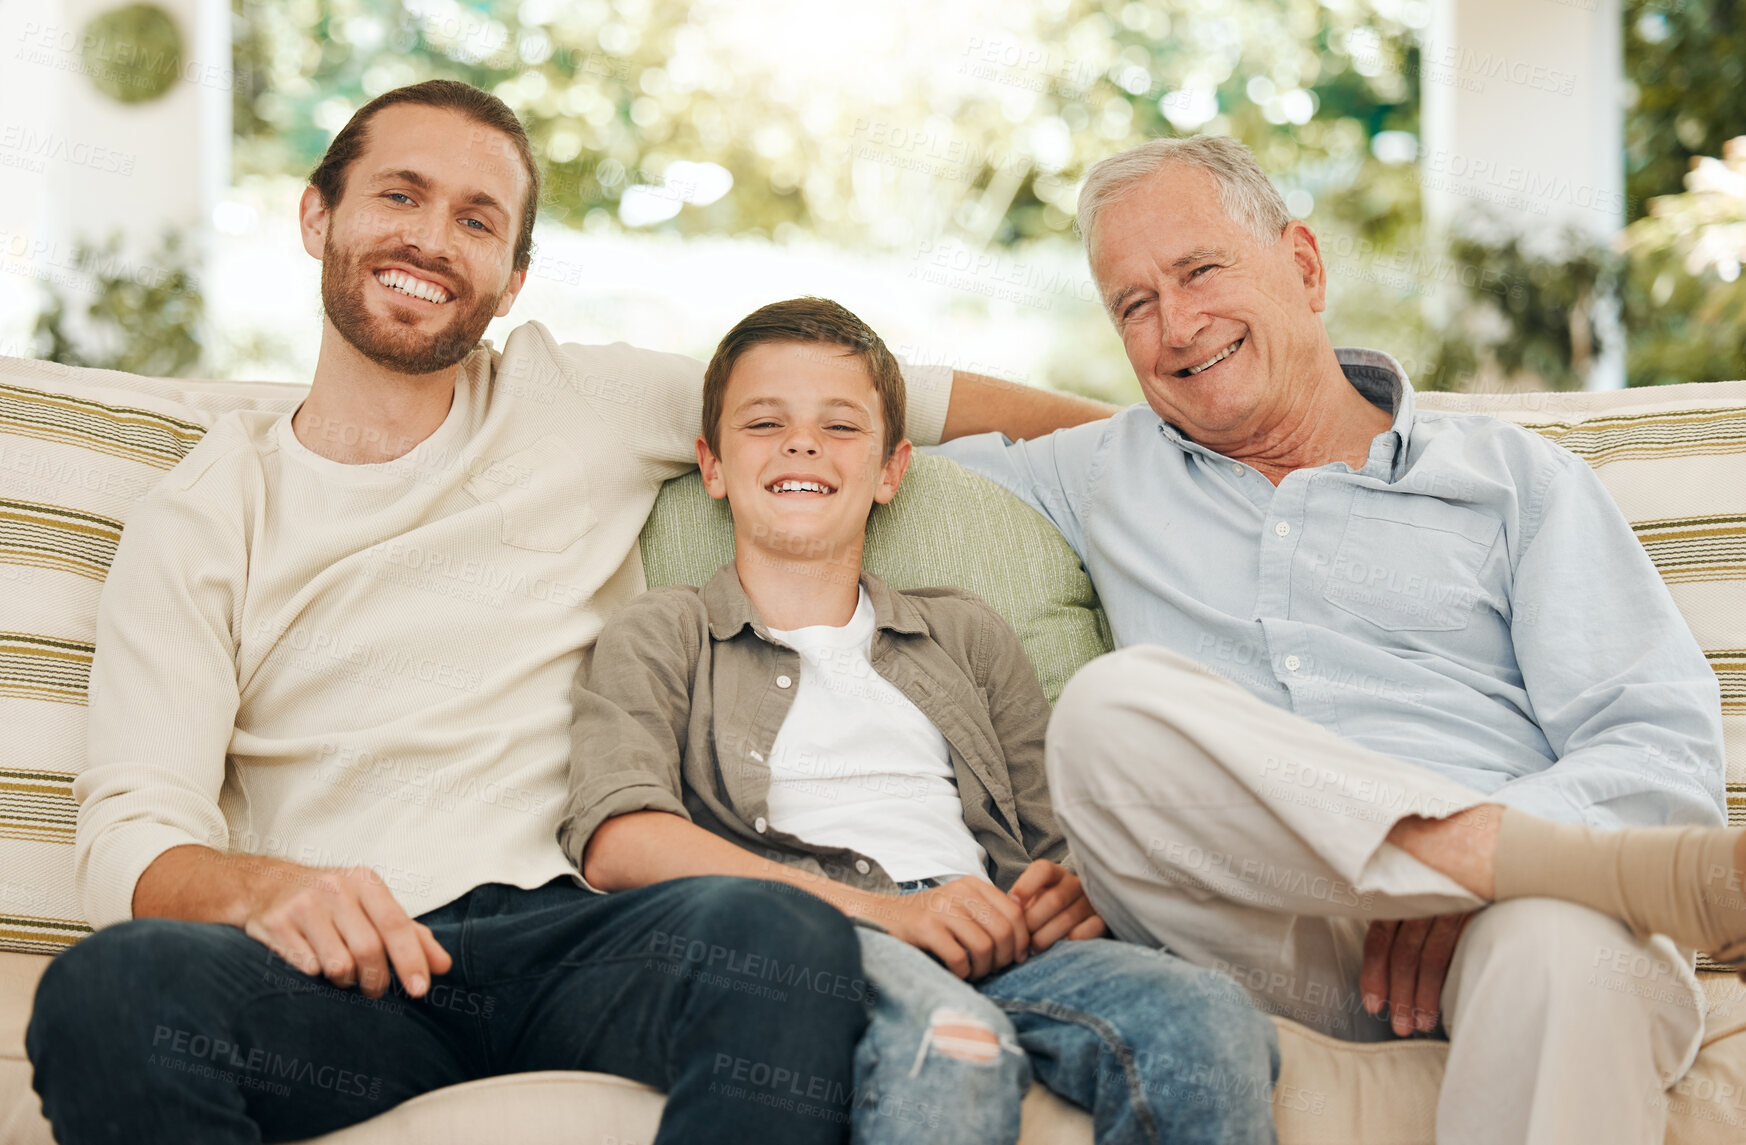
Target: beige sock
[{"x": 1683, "y": 882}]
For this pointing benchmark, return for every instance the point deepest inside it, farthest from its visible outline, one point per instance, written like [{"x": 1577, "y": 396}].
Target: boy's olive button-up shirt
[{"x": 680, "y": 707}]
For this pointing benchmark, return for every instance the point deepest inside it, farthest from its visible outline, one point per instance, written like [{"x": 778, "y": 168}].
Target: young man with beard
[{"x": 329, "y": 720}]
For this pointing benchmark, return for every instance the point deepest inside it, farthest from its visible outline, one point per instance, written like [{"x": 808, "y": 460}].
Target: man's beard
[{"x": 392, "y": 342}]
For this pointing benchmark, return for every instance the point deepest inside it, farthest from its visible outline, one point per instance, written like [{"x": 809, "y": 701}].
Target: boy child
[{"x": 798, "y": 720}]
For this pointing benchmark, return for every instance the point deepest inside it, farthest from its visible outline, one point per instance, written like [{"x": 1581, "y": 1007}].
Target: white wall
[
  {"x": 75, "y": 164},
  {"x": 1523, "y": 116}
]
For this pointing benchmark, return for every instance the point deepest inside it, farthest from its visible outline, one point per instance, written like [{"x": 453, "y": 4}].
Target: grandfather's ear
[{"x": 1306, "y": 255}]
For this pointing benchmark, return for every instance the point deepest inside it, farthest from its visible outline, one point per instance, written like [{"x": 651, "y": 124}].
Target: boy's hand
[
  {"x": 1055, "y": 905},
  {"x": 967, "y": 924}
]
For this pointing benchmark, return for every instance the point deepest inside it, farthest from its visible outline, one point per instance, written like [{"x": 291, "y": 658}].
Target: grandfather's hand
[
  {"x": 1404, "y": 966},
  {"x": 1055, "y": 905}
]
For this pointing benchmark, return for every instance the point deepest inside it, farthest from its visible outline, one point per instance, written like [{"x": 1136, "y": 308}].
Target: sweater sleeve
[{"x": 163, "y": 697}]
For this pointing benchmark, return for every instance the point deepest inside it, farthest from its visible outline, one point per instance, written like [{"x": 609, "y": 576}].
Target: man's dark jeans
[{"x": 743, "y": 1000}]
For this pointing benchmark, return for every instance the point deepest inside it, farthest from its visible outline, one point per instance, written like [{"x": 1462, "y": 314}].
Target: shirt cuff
[
  {"x": 116, "y": 863},
  {"x": 929, "y": 389},
  {"x": 634, "y": 795}
]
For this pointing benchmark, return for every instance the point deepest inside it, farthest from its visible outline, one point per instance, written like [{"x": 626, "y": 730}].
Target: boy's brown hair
[
  {"x": 810, "y": 321},
  {"x": 329, "y": 176}
]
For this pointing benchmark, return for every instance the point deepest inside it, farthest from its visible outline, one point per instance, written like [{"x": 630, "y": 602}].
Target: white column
[
  {"x": 77, "y": 165},
  {"x": 1522, "y": 117}
]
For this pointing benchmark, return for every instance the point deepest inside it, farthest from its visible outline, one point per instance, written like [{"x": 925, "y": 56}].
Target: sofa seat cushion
[{"x": 1329, "y": 1092}]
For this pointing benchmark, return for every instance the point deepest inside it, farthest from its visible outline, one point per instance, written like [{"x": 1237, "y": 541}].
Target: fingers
[
  {"x": 331, "y": 952},
  {"x": 287, "y": 944},
  {"x": 364, "y": 946},
  {"x": 980, "y": 902},
  {"x": 1373, "y": 978},
  {"x": 1057, "y": 898},
  {"x": 1037, "y": 877},
  {"x": 1093, "y": 927},
  {"x": 1403, "y": 973},
  {"x": 1014, "y": 938},
  {"x": 434, "y": 955},
  {"x": 976, "y": 943},
  {"x": 398, "y": 939},
  {"x": 1064, "y": 922},
  {"x": 1434, "y": 967}
]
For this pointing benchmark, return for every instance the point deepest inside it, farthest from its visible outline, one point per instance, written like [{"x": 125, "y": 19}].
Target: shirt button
[
  {"x": 1283, "y": 529},
  {"x": 783, "y": 681},
  {"x": 759, "y": 825},
  {"x": 1292, "y": 663},
  {"x": 863, "y": 866},
  {"x": 1237, "y": 468}
]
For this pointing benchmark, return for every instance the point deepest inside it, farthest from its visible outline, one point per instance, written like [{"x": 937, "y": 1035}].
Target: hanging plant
[{"x": 133, "y": 53}]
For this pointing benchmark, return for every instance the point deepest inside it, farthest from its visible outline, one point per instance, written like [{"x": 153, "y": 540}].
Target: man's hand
[
  {"x": 343, "y": 924},
  {"x": 1404, "y": 966},
  {"x": 1055, "y": 905},
  {"x": 967, "y": 924}
]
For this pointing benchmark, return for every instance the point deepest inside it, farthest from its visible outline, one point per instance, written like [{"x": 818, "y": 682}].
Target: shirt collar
[
  {"x": 1383, "y": 383},
  {"x": 730, "y": 609}
]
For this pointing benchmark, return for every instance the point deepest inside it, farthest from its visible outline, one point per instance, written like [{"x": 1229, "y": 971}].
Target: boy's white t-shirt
[{"x": 857, "y": 765}]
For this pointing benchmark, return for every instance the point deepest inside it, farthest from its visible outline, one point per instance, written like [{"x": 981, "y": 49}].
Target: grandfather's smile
[{"x": 1190, "y": 371}]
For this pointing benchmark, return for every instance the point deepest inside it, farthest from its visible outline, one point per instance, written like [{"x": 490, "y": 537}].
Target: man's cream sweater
[{"x": 370, "y": 664}]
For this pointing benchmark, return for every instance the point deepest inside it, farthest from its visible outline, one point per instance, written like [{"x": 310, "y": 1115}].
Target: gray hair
[{"x": 1249, "y": 197}]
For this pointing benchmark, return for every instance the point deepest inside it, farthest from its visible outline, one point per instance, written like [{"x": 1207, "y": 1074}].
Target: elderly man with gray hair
[{"x": 1379, "y": 669}]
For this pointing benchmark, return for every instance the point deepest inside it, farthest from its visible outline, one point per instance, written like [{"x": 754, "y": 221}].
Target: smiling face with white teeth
[
  {"x": 1223, "y": 330},
  {"x": 802, "y": 456},
  {"x": 417, "y": 256}
]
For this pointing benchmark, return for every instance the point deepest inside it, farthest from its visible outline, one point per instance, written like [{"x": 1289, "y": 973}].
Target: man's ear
[
  {"x": 1306, "y": 253},
  {"x": 710, "y": 466},
  {"x": 517, "y": 280},
  {"x": 891, "y": 475},
  {"x": 313, "y": 218}
]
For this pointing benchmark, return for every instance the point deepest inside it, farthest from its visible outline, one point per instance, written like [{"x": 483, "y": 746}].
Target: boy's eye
[
  {"x": 847, "y": 428},
  {"x": 766, "y": 424}
]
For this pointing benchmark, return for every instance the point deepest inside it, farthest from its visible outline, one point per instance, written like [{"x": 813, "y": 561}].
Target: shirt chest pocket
[
  {"x": 538, "y": 495},
  {"x": 1410, "y": 563}
]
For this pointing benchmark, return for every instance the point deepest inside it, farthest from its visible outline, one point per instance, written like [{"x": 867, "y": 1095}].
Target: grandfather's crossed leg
[{"x": 1244, "y": 837}]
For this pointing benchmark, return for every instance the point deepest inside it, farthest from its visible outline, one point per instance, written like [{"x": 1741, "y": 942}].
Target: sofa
[{"x": 79, "y": 447}]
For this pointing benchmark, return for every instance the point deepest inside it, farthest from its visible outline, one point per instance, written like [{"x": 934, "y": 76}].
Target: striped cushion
[
  {"x": 77, "y": 449},
  {"x": 1671, "y": 456}
]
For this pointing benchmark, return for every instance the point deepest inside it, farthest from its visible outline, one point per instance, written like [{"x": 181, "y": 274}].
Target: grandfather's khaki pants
[{"x": 1247, "y": 838}]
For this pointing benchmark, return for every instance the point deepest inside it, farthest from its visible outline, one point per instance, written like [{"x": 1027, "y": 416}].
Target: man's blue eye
[
  {"x": 399, "y": 195},
  {"x": 476, "y": 223}
]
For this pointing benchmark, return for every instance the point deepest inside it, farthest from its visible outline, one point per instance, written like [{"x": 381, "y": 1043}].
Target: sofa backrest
[{"x": 79, "y": 447}]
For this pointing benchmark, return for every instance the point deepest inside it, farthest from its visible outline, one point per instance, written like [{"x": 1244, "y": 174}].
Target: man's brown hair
[
  {"x": 809, "y": 321},
  {"x": 329, "y": 176}
]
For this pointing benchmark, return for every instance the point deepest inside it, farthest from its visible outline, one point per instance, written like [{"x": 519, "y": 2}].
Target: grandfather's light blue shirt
[{"x": 1471, "y": 600}]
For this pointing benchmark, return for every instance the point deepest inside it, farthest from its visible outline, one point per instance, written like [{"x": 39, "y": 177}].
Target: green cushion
[{"x": 946, "y": 526}]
